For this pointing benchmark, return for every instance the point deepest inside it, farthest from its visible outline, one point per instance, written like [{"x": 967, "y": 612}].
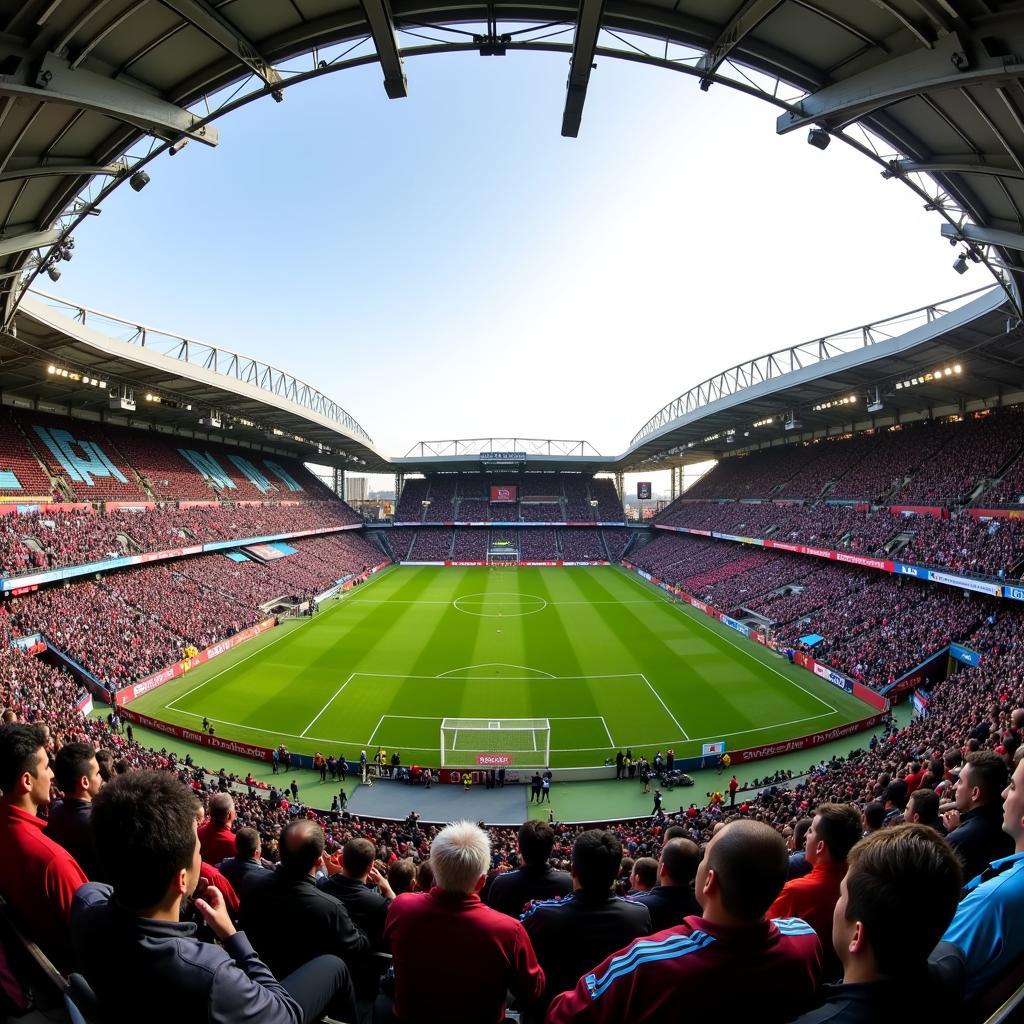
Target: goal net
[{"x": 495, "y": 743}]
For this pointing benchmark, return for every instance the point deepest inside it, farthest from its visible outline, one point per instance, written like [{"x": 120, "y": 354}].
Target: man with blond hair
[{"x": 448, "y": 929}]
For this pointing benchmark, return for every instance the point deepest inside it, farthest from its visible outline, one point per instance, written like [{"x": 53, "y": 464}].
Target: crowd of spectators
[
  {"x": 974, "y": 727},
  {"x": 963, "y": 541},
  {"x": 540, "y": 498},
  {"x": 30, "y": 541},
  {"x": 931, "y": 463},
  {"x": 137, "y": 621}
]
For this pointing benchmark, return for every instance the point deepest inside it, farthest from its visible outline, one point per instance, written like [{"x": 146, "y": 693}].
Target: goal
[{"x": 495, "y": 743}]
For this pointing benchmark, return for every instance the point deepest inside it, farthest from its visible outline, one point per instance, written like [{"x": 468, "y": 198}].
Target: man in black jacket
[
  {"x": 672, "y": 898},
  {"x": 975, "y": 825},
  {"x": 286, "y": 916},
  {"x": 247, "y": 864},
  {"x": 77, "y": 772},
  {"x": 142, "y": 961},
  {"x": 536, "y": 879},
  {"x": 347, "y": 882},
  {"x": 573, "y": 934}
]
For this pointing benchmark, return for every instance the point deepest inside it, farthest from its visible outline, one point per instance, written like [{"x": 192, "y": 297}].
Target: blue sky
[{"x": 448, "y": 266}]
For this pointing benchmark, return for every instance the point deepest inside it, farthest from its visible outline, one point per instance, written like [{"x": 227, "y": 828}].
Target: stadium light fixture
[
  {"x": 960, "y": 264},
  {"x": 819, "y": 138},
  {"x": 53, "y": 273},
  {"x": 138, "y": 181}
]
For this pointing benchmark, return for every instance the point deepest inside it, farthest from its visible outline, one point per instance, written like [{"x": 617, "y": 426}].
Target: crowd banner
[
  {"x": 179, "y": 668},
  {"x": 966, "y": 583},
  {"x": 195, "y": 736},
  {"x": 920, "y": 698},
  {"x": 965, "y": 654}
]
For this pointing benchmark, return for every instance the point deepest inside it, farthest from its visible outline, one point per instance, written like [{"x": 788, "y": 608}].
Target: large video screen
[
  {"x": 504, "y": 492},
  {"x": 643, "y": 490}
]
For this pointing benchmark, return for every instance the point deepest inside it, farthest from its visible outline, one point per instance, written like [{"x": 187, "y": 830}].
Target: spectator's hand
[
  {"x": 377, "y": 879},
  {"x": 332, "y": 864},
  {"x": 215, "y": 913},
  {"x": 951, "y": 819}
]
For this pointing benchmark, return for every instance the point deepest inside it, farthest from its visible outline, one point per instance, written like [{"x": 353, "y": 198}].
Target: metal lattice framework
[
  {"x": 481, "y": 445},
  {"x": 220, "y": 360},
  {"x": 93, "y": 91},
  {"x": 787, "y": 360}
]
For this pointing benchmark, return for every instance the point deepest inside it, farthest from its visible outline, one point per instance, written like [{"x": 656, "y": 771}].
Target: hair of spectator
[
  {"x": 646, "y": 871},
  {"x": 459, "y": 855},
  {"x": 680, "y": 858},
  {"x": 221, "y": 806},
  {"x": 925, "y": 804},
  {"x": 301, "y": 846},
  {"x": 674, "y": 832},
  {"x": 874, "y": 815},
  {"x": 536, "y": 841},
  {"x": 71, "y": 763},
  {"x": 357, "y": 856},
  {"x": 750, "y": 863},
  {"x": 903, "y": 884},
  {"x": 424, "y": 876},
  {"x": 401, "y": 875},
  {"x": 800, "y": 830},
  {"x": 989, "y": 773},
  {"x": 840, "y": 826},
  {"x": 896, "y": 794},
  {"x": 19, "y": 753},
  {"x": 144, "y": 825},
  {"x": 596, "y": 856},
  {"x": 247, "y": 842}
]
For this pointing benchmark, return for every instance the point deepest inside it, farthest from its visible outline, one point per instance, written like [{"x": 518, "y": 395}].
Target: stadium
[{"x": 818, "y": 618}]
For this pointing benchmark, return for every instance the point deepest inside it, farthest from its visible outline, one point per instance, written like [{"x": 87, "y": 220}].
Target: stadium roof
[
  {"x": 93, "y": 91},
  {"x": 77, "y": 360},
  {"x": 940, "y": 360}
]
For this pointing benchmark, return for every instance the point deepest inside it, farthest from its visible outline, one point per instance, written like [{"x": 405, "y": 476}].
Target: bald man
[
  {"x": 729, "y": 963},
  {"x": 288, "y": 919}
]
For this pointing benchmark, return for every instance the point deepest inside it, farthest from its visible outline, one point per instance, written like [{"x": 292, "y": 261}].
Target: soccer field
[{"x": 605, "y": 656}]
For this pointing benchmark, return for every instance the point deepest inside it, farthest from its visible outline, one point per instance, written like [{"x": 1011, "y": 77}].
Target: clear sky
[{"x": 448, "y": 266}]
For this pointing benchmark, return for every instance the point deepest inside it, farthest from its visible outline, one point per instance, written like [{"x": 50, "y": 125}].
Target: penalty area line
[
  {"x": 327, "y": 705},
  {"x": 665, "y": 706}
]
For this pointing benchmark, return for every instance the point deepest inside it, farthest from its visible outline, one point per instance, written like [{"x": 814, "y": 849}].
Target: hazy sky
[{"x": 448, "y": 266}]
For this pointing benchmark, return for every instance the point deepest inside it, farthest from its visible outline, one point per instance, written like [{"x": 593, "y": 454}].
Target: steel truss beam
[
  {"x": 984, "y": 236},
  {"x": 29, "y": 240},
  {"x": 962, "y": 163},
  {"x": 742, "y": 23},
  {"x": 581, "y": 63},
  {"x": 55, "y": 82},
  {"x": 382, "y": 28},
  {"x": 945, "y": 66},
  {"x": 39, "y": 167},
  {"x": 216, "y": 27}
]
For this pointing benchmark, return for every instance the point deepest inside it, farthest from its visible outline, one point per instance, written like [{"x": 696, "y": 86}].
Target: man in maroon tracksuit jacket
[{"x": 729, "y": 964}]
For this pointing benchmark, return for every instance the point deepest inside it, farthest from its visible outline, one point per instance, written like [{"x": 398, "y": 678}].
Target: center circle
[{"x": 500, "y": 604}]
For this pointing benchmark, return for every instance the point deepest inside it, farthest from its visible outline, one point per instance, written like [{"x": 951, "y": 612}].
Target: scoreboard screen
[
  {"x": 504, "y": 492},
  {"x": 643, "y": 490}
]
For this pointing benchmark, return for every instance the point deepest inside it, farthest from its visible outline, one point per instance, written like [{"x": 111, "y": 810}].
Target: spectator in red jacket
[
  {"x": 38, "y": 878},
  {"x": 730, "y": 964},
  {"x": 216, "y": 840},
  {"x": 833, "y": 833},
  {"x": 485, "y": 953}
]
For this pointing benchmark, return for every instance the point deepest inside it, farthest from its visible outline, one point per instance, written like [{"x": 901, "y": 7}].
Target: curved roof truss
[{"x": 93, "y": 91}]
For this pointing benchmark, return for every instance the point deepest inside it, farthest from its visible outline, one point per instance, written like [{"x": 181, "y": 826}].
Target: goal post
[{"x": 495, "y": 743}]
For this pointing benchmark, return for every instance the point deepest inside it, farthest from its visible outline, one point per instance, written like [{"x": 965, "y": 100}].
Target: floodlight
[
  {"x": 819, "y": 138},
  {"x": 960, "y": 266},
  {"x": 139, "y": 180},
  {"x": 53, "y": 273}
]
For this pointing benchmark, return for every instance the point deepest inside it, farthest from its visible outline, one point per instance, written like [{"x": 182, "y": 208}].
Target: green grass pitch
[{"x": 606, "y": 657}]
